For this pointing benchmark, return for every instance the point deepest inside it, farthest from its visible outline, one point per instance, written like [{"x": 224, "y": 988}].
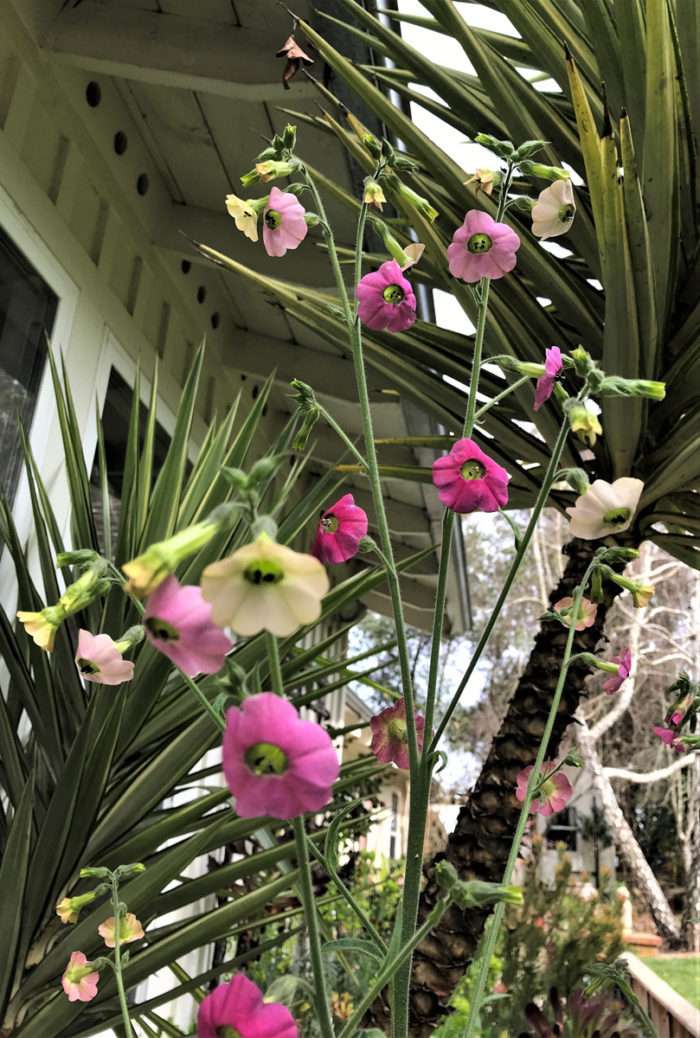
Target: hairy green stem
[
  {"x": 386, "y": 971},
  {"x": 273, "y": 658},
  {"x": 323, "y": 1008},
  {"x": 491, "y": 936},
  {"x": 116, "y": 908},
  {"x": 349, "y": 897},
  {"x": 342, "y": 435},
  {"x": 497, "y": 399}
]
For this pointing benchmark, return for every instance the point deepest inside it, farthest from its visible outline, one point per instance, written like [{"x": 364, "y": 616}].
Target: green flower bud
[
  {"x": 504, "y": 149},
  {"x": 536, "y": 169},
  {"x": 612, "y": 385}
]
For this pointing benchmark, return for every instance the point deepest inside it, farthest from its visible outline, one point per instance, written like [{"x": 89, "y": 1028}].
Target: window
[
  {"x": 564, "y": 829},
  {"x": 27, "y": 312},
  {"x": 394, "y": 826}
]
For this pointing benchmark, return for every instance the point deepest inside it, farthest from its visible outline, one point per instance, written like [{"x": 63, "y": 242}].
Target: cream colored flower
[
  {"x": 245, "y": 214},
  {"x": 605, "y": 508},
  {"x": 265, "y": 587},
  {"x": 554, "y": 210},
  {"x": 130, "y": 929}
]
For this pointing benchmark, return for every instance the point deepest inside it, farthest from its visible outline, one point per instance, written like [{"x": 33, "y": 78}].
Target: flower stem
[
  {"x": 497, "y": 399},
  {"x": 116, "y": 908},
  {"x": 323, "y": 1008},
  {"x": 273, "y": 658},
  {"x": 491, "y": 935}
]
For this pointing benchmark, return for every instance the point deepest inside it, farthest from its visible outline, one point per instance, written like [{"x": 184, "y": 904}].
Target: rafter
[{"x": 168, "y": 49}]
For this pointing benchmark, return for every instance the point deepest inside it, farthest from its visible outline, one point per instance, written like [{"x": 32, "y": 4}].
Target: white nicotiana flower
[
  {"x": 245, "y": 215},
  {"x": 605, "y": 508},
  {"x": 265, "y": 587},
  {"x": 554, "y": 210}
]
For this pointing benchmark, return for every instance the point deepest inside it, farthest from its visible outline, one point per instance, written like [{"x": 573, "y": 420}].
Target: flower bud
[
  {"x": 504, "y": 149},
  {"x": 149, "y": 570},
  {"x": 271, "y": 169},
  {"x": 527, "y": 149},
  {"x": 612, "y": 385},
  {"x": 374, "y": 194},
  {"x": 584, "y": 423},
  {"x": 552, "y": 173}
]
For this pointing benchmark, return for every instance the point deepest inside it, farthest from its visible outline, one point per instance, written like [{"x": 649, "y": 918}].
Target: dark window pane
[{"x": 27, "y": 312}]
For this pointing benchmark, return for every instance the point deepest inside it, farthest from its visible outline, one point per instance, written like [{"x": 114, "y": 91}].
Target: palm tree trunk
[{"x": 480, "y": 844}]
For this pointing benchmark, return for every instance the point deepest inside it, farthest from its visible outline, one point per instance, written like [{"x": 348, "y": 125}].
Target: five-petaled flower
[
  {"x": 469, "y": 481},
  {"x": 482, "y": 248},
  {"x": 340, "y": 531},
  {"x": 586, "y": 612},
  {"x": 624, "y": 666},
  {"x": 237, "y": 1008},
  {"x": 605, "y": 508},
  {"x": 130, "y": 929},
  {"x": 99, "y": 660},
  {"x": 275, "y": 763},
  {"x": 80, "y": 980},
  {"x": 245, "y": 212},
  {"x": 554, "y": 210},
  {"x": 385, "y": 299},
  {"x": 284, "y": 226},
  {"x": 390, "y": 734},
  {"x": 178, "y": 623},
  {"x": 553, "y": 794},
  {"x": 545, "y": 383},
  {"x": 265, "y": 586},
  {"x": 670, "y": 738}
]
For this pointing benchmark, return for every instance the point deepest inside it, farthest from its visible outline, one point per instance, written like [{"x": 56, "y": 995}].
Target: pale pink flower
[
  {"x": 340, "y": 531},
  {"x": 545, "y": 383},
  {"x": 99, "y": 660},
  {"x": 586, "y": 614},
  {"x": 80, "y": 980},
  {"x": 130, "y": 929},
  {"x": 624, "y": 666},
  {"x": 469, "y": 481},
  {"x": 555, "y": 790},
  {"x": 284, "y": 226},
  {"x": 385, "y": 299},
  {"x": 275, "y": 763},
  {"x": 482, "y": 248},
  {"x": 605, "y": 508},
  {"x": 390, "y": 735},
  {"x": 178, "y": 623},
  {"x": 554, "y": 210},
  {"x": 239, "y": 1006},
  {"x": 265, "y": 586},
  {"x": 670, "y": 738}
]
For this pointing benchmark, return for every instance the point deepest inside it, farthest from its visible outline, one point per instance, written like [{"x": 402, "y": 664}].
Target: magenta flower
[
  {"x": 340, "y": 531},
  {"x": 99, "y": 660},
  {"x": 284, "y": 226},
  {"x": 238, "y": 1008},
  {"x": 469, "y": 481},
  {"x": 80, "y": 980},
  {"x": 390, "y": 736},
  {"x": 555, "y": 790},
  {"x": 545, "y": 383},
  {"x": 385, "y": 299},
  {"x": 670, "y": 738},
  {"x": 624, "y": 667},
  {"x": 482, "y": 248},
  {"x": 178, "y": 623},
  {"x": 275, "y": 763}
]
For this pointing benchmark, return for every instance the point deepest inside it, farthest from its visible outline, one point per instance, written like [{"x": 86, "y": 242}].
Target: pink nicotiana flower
[
  {"x": 275, "y": 763},
  {"x": 178, "y": 622},
  {"x": 624, "y": 667},
  {"x": 469, "y": 481},
  {"x": 284, "y": 226},
  {"x": 238, "y": 1008},
  {"x": 80, "y": 980},
  {"x": 586, "y": 614},
  {"x": 130, "y": 929},
  {"x": 385, "y": 299},
  {"x": 556, "y": 790},
  {"x": 482, "y": 248},
  {"x": 545, "y": 383},
  {"x": 605, "y": 508},
  {"x": 99, "y": 660},
  {"x": 340, "y": 531},
  {"x": 670, "y": 738},
  {"x": 554, "y": 210},
  {"x": 390, "y": 737}
]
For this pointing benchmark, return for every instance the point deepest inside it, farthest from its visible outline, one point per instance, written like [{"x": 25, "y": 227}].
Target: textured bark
[
  {"x": 627, "y": 847},
  {"x": 480, "y": 845},
  {"x": 691, "y": 859}
]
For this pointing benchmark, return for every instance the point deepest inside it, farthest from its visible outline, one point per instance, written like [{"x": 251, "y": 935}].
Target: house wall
[{"x": 86, "y": 217}]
